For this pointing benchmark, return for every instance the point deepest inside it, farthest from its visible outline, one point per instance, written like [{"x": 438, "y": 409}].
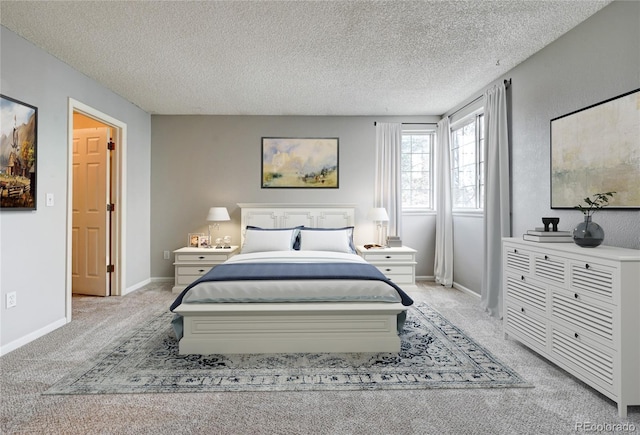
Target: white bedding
[{"x": 331, "y": 290}]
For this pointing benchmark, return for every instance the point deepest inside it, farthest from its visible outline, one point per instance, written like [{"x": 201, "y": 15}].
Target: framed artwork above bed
[
  {"x": 597, "y": 149},
  {"x": 300, "y": 162}
]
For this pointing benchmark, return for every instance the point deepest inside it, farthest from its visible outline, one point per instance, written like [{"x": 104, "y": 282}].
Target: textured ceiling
[{"x": 294, "y": 57}]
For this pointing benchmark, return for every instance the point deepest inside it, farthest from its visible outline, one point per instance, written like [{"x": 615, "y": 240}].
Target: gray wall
[
  {"x": 597, "y": 60},
  {"x": 203, "y": 161},
  {"x": 33, "y": 243}
]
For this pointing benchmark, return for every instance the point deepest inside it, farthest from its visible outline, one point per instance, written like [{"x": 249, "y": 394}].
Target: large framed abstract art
[
  {"x": 18, "y": 146},
  {"x": 300, "y": 162},
  {"x": 597, "y": 149}
]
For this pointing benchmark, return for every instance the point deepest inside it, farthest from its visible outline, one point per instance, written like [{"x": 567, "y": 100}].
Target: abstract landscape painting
[
  {"x": 299, "y": 162},
  {"x": 597, "y": 149}
]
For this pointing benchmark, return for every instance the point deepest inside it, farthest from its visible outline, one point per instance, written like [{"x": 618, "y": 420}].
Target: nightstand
[
  {"x": 192, "y": 263},
  {"x": 398, "y": 264}
]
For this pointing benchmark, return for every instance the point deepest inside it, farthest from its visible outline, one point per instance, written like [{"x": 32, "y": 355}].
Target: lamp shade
[
  {"x": 378, "y": 214},
  {"x": 217, "y": 214}
]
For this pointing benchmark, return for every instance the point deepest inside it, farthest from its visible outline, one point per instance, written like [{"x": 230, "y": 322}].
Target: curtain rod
[
  {"x": 507, "y": 83},
  {"x": 413, "y": 123}
]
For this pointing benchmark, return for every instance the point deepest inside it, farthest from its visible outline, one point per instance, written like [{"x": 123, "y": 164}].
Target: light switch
[{"x": 49, "y": 199}]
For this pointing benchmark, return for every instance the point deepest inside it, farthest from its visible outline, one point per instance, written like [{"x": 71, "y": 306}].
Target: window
[
  {"x": 417, "y": 169},
  {"x": 467, "y": 163}
]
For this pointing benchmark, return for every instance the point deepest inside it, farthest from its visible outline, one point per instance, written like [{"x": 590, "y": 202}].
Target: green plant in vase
[{"x": 589, "y": 234}]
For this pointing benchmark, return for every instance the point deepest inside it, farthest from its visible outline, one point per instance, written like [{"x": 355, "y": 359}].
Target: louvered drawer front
[
  {"x": 527, "y": 326},
  {"x": 595, "y": 361},
  {"x": 591, "y": 318},
  {"x": 523, "y": 291},
  {"x": 550, "y": 268},
  {"x": 593, "y": 278},
  {"x": 517, "y": 260}
]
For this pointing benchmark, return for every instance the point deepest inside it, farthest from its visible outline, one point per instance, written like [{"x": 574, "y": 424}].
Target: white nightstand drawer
[
  {"x": 205, "y": 258},
  {"x": 386, "y": 257},
  {"x": 193, "y": 270},
  {"x": 395, "y": 270}
]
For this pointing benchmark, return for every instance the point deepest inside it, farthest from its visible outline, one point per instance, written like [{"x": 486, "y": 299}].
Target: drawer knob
[
  {"x": 575, "y": 295},
  {"x": 576, "y": 335},
  {"x": 522, "y": 277},
  {"x": 201, "y": 270},
  {"x": 515, "y": 251},
  {"x": 546, "y": 257},
  {"x": 201, "y": 257},
  {"x": 388, "y": 270},
  {"x": 387, "y": 256},
  {"x": 522, "y": 309},
  {"x": 586, "y": 266}
]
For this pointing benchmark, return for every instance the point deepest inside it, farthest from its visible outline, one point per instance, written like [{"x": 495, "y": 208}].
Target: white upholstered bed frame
[{"x": 226, "y": 328}]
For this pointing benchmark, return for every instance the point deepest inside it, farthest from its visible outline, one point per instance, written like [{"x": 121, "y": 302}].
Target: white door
[{"x": 90, "y": 238}]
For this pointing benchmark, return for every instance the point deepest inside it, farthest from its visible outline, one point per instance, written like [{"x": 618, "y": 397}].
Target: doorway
[
  {"x": 111, "y": 252},
  {"x": 92, "y": 207}
]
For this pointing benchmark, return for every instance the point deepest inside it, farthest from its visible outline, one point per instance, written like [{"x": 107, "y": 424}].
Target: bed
[{"x": 296, "y": 286}]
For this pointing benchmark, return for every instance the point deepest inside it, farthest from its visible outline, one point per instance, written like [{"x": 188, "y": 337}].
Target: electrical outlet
[
  {"x": 166, "y": 255},
  {"x": 11, "y": 300}
]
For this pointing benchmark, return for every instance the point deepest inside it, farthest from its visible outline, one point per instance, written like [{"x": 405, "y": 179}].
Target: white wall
[
  {"x": 33, "y": 244},
  {"x": 204, "y": 161},
  {"x": 597, "y": 60}
]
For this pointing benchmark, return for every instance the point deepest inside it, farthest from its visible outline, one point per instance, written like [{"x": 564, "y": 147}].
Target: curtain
[
  {"x": 497, "y": 207},
  {"x": 443, "y": 264},
  {"x": 388, "y": 192}
]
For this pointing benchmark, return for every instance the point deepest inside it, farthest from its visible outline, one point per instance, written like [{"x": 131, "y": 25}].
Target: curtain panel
[
  {"x": 497, "y": 207},
  {"x": 443, "y": 263},
  {"x": 388, "y": 192}
]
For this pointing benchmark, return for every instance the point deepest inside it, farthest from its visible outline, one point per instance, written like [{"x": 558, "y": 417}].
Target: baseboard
[
  {"x": 465, "y": 289},
  {"x": 163, "y": 279},
  {"x": 425, "y": 278},
  {"x": 136, "y": 286},
  {"x": 32, "y": 336}
]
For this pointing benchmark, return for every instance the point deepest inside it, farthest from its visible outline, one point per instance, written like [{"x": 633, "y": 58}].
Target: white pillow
[
  {"x": 334, "y": 240},
  {"x": 261, "y": 241}
]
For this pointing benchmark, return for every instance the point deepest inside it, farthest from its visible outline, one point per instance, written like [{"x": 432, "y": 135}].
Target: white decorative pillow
[
  {"x": 273, "y": 240},
  {"x": 326, "y": 240}
]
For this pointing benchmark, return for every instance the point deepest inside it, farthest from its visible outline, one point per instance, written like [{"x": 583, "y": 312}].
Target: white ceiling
[{"x": 294, "y": 57}]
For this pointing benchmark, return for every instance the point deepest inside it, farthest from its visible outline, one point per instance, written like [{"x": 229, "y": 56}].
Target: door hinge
[
  {"x": 110, "y": 268},
  {"x": 111, "y": 145},
  {"x": 111, "y": 207}
]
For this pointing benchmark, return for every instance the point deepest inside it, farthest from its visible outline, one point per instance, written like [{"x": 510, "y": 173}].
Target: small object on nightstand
[{"x": 394, "y": 242}]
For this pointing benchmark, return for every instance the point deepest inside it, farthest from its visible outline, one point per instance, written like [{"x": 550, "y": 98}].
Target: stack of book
[{"x": 540, "y": 235}]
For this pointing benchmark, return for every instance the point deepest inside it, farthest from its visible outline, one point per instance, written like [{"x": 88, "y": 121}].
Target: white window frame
[
  {"x": 411, "y": 210},
  {"x": 478, "y": 117}
]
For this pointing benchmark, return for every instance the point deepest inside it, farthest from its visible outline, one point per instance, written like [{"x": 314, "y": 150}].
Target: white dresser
[
  {"x": 579, "y": 308},
  {"x": 397, "y": 264},
  {"x": 191, "y": 263}
]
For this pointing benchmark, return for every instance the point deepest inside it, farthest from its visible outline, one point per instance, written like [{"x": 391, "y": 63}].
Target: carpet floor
[
  {"x": 434, "y": 354},
  {"x": 557, "y": 404}
]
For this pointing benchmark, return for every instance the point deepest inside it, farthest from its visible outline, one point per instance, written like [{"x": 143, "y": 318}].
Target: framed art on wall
[
  {"x": 299, "y": 162},
  {"x": 597, "y": 149},
  {"x": 18, "y": 146}
]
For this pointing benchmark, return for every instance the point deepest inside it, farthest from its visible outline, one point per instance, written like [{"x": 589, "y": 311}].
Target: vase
[{"x": 588, "y": 234}]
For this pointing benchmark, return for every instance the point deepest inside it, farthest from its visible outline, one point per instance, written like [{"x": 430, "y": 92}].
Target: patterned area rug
[{"x": 434, "y": 354}]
